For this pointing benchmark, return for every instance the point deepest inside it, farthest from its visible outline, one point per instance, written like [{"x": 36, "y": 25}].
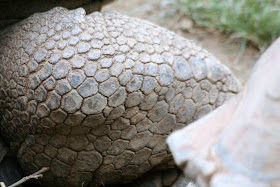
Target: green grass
[{"x": 257, "y": 21}]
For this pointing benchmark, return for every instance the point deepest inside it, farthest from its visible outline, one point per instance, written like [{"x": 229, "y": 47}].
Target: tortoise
[{"x": 94, "y": 96}]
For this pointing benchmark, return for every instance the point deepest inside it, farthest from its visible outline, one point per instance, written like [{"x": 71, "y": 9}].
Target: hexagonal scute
[
  {"x": 88, "y": 88},
  {"x": 76, "y": 78},
  {"x": 108, "y": 87},
  {"x": 53, "y": 100},
  {"x": 61, "y": 69},
  {"x": 94, "y": 104},
  {"x": 93, "y": 97},
  {"x": 71, "y": 102}
]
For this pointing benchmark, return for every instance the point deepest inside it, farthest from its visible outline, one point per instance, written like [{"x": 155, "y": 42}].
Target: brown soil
[{"x": 220, "y": 45}]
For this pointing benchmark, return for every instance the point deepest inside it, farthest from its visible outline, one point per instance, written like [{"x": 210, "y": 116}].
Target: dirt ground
[{"x": 162, "y": 12}]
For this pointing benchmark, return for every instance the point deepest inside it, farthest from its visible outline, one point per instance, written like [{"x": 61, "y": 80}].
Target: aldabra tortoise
[{"x": 94, "y": 97}]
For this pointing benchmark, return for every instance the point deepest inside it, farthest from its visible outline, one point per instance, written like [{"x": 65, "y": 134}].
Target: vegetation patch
[{"x": 257, "y": 21}]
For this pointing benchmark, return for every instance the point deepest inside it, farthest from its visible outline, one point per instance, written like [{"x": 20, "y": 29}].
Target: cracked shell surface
[{"x": 99, "y": 90}]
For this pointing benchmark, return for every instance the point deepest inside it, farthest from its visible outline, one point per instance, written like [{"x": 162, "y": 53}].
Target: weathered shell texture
[{"x": 94, "y": 97}]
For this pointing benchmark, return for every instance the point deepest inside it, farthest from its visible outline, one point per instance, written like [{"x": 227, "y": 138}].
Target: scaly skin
[{"x": 94, "y": 97}]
